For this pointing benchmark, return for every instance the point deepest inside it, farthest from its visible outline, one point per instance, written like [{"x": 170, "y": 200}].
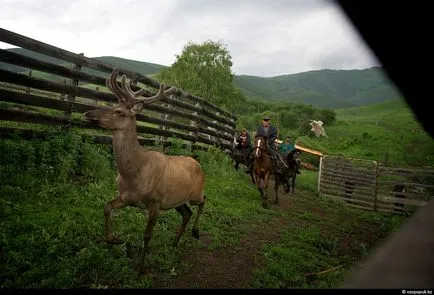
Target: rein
[{"x": 272, "y": 156}]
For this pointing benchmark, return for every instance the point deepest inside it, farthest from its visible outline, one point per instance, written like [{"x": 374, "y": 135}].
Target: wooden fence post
[
  {"x": 28, "y": 88},
  {"x": 96, "y": 99},
  {"x": 194, "y": 123},
  {"x": 71, "y": 98},
  {"x": 63, "y": 95},
  {"x": 319, "y": 174},
  {"x": 213, "y": 138},
  {"x": 164, "y": 116},
  {"x": 227, "y": 133},
  {"x": 219, "y": 140}
]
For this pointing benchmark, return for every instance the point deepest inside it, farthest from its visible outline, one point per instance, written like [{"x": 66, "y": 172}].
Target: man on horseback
[
  {"x": 244, "y": 141},
  {"x": 269, "y": 131},
  {"x": 244, "y": 146},
  {"x": 287, "y": 147}
]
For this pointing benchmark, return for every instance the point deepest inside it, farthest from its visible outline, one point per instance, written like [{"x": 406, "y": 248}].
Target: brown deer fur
[{"x": 147, "y": 179}]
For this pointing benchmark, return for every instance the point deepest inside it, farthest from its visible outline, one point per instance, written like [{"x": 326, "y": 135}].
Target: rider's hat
[{"x": 266, "y": 118}]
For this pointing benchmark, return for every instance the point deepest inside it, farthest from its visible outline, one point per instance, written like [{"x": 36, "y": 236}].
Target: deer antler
[
  {"x": 161, "y": 94},
  {"x": 117, "y": 91},
  {"x": 127, "y": 95}
]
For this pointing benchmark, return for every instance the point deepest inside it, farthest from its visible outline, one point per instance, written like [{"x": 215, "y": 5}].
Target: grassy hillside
[
  {"x": 322, "y": 88},
  {"x": 386, "y": 131}
]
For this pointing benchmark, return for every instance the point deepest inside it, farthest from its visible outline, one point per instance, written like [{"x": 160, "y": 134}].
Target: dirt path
[
  {"x": 232, "y": 267},
  {"x": 225, "y": 267},
  {"x": 229, "y": 267}
]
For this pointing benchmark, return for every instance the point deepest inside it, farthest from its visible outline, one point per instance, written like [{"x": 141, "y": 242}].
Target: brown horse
[{"x": 263, "y": 167}]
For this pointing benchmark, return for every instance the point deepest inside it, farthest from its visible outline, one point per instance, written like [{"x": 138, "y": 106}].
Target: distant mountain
[{"x": 322, "y": 88}]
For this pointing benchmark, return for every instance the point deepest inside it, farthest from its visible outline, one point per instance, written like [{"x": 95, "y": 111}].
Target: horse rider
[
  {"x": 244, "y": 141},
  {"x": 268, "y": 130},
  {"x": 288, "y": 146}
]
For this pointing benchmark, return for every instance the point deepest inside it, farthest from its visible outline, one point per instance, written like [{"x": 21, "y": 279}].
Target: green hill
[{"x": 322, "y": 88}]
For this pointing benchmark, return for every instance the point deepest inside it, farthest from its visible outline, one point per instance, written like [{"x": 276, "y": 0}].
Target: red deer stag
[{"x": 147, "y": 179}]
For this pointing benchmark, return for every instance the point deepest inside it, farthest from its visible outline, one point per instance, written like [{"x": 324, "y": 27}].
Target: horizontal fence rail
[
  {"x": 64, "y": 91},
  {"x": 375, "y": 186}
]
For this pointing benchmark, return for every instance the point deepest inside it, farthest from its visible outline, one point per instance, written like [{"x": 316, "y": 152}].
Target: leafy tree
[
  {"x": 327, "y": 116},
  {"x": 204, "y": 70}
]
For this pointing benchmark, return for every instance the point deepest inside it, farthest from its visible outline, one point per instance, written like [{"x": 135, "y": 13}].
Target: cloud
[{"x": 265, "y": 38}]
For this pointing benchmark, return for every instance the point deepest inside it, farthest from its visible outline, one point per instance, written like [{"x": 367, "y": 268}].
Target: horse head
[{"x": 260, "y": 147}]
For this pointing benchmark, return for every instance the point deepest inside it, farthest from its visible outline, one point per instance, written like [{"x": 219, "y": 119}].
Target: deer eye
[{"x": 118, "y": 112}]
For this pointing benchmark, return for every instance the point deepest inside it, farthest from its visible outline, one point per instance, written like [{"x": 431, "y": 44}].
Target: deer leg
[
  {"x": 153, "y": 212},
  {"x": 186, "y": 213},
  {"x": 195, "y": 230},
  {"x": 108, "y": 208}
]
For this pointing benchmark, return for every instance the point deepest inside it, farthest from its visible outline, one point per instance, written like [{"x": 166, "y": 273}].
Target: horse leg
[
  {"x": 286, "y": 184},
  {"x": 260, "y": 185},
  {"x": 253, "y": 179},
  {"x": 236, "y": 165},
  {"x": 293, "y": 184},
  {"x": 264, "y": 198},
  {"x": 276, "y": 188},
  {"x": 260, "y": 189},
  {"x": 265, "y": 187}
]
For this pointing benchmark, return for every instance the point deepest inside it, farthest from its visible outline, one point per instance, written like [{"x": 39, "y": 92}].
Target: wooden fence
[
  {"x": 38, "y": 95},
  {"x": 375, "y": 186}
]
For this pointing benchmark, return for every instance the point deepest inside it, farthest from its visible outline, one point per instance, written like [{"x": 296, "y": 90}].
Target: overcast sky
[{"x": 265, "y": 37}]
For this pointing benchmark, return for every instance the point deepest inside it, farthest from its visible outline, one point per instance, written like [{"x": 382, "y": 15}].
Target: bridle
[{"x": 259, "y": 146}]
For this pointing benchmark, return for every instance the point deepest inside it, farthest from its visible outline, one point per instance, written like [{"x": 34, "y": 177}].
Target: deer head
[{"x": 129, "y": 104}]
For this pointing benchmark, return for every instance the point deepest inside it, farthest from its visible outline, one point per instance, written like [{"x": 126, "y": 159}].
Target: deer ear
[{"x": 137, "y": 107}]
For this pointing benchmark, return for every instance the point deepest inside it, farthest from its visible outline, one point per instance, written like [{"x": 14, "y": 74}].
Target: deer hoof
[
  {"x": 114, "y": 241},
  {"x": 195, "y": 233}
]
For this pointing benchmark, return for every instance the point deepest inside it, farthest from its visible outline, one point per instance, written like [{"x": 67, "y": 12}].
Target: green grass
[
  {"x": 52, "y": 232},
  {"x": 320, "y": 247},
  {"x": 307, "y": 181}
]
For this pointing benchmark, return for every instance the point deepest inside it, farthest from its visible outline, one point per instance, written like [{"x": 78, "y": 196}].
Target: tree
[{"x": 204, "y": 70}]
